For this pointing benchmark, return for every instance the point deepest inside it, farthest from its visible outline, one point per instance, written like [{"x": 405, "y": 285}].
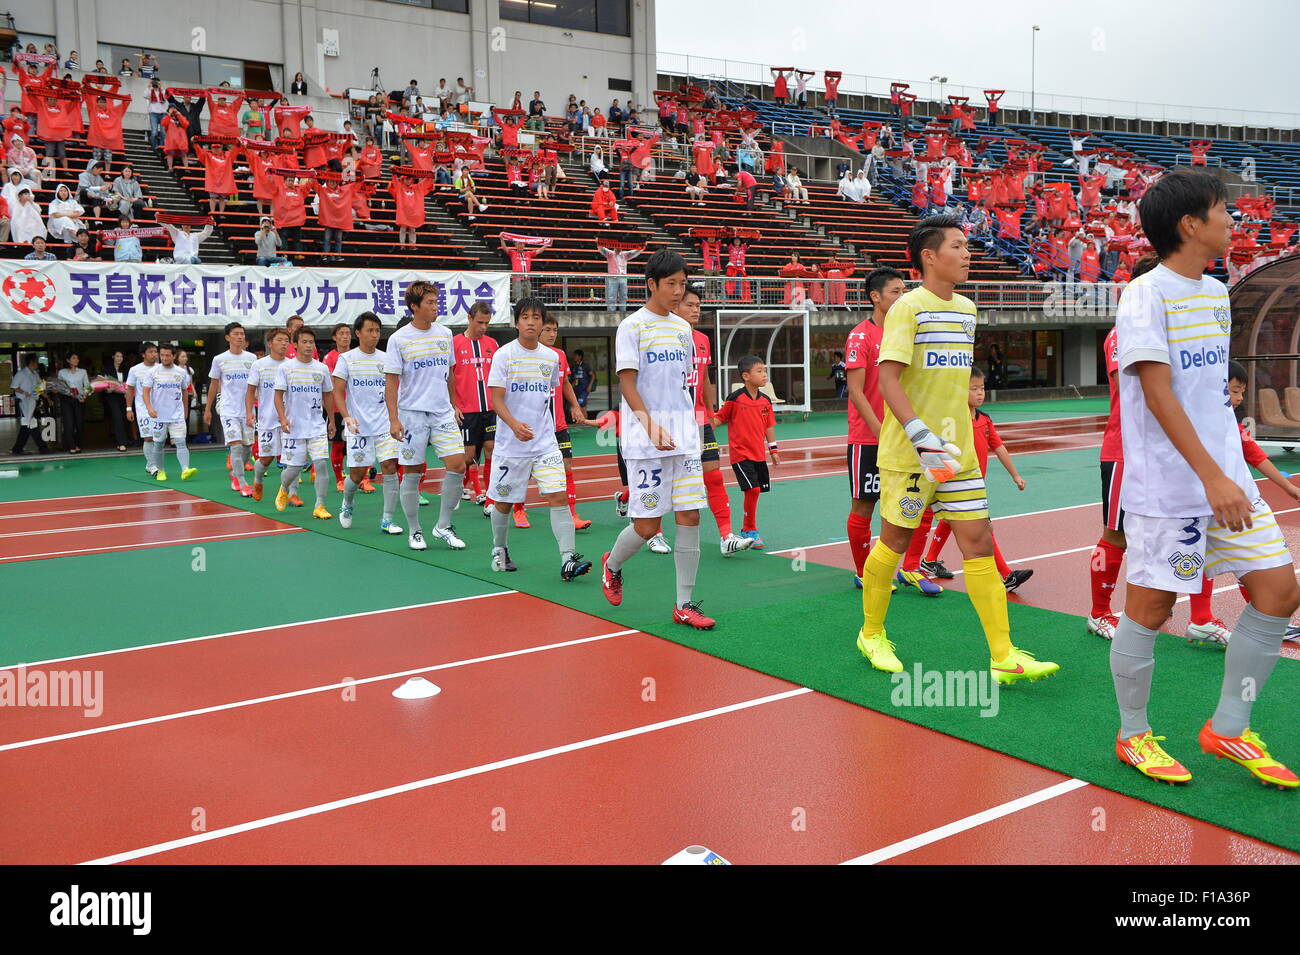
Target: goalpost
[{"x": 779, "y": 336}]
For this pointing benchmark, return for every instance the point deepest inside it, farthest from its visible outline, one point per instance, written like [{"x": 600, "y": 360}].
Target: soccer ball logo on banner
[{"x": 29, "y": 292}]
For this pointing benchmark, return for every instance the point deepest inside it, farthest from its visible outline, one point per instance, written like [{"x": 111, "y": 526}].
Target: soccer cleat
[
  {"x": 424, "y": 501},
  {"x": 466, "y": 494},
  {"x": 857, "y": 582},
  {"x": 620, "y": 503},
  {"x": 257, "y": 492},
  {"x": 320, "y": 513},
  {"x": 248, "y": 465},
  {"x": 1103, "y": 626},
  {"x": 386, "y": 526},
  {"x": 338, "y": 486},
  {"x": 481, "y": 500},
  {"x": 345, "y": 517},
  {"x": 911, "y": 578},
  {"x": 752, "y": 536},
  {"x": 366, "y": 486},
  {"x": 245, "y": 490},
  {"x": 234, "y": 481},
  {"x": 611, "y": 582},
  {"x": 416, "y": 541},
  {"x": 1021, "y": 665},
  {"x": 228, "y": 462},
  {"x": 1145, "y": 754},
  {"x": 580, "y": 523},
  {"x": 295, "y": 501},
  {"x": 879, "y": 649},
  {"x": 1249, "y": 751},
  {"x": 488, "y": 508},
  {"x": 281, "y": 499},
  {"x": 501, "y": 560},
  {"x": 448, "y": 536},
  {"x": 1014, "y": 579},
  {"x": 151, "y": 470},
  {"x": 189, "y": 473},
  {"x": 1292, "y": 633},
  {"x": 521, "y": 518},
  {"x": 689, "y": 614},
  {"x": 1213, "y": 632},
  {"x": 659, "y": 545},
  {"x": 575, "y": 566},
  {"x": 160, "y": 475},
  {"x": 935, "y": 568},
  {"x": 734, "y": 544}
]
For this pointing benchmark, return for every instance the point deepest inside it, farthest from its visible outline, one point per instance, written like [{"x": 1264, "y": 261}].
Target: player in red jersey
[
  {"x": 564, "y": 394},
  {"x": 472, "y": 352},
  {"x": 866, "y": 410},
  {"x": 706, "y": 403}
]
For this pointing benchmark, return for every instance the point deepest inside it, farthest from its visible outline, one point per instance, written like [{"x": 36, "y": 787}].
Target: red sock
[
  {"x": 1201, "y": 612},
  {"x": 998, "y": 559},
  {"x": 912, "y": 559},
  {"x": 623, "y": 495},
  {"x": 941, "y": 535},
  {"x": 859, "y": 541},
  {"x": 572, "y": 492},
  {"x": 337, "y": 451},
  {"x": 718, "y": 503},
  {"x": 472, "y": 478},
  {"x": 1106, "y": 559},
  {"x": 1245, "y": 594},
  {"x": 751, "y": 509}
]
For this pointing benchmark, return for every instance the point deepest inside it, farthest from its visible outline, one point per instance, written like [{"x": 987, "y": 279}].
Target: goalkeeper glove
[{"x": 939, "y": 459}]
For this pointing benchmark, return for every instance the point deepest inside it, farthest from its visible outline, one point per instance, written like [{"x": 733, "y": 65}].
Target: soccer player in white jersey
[
  {"x": 261, "y": 392},
  {"x": 136, "y": 380},
  {"x": 164, "y": 400},
  {"x": 422, "y": 412},
  {"x": 304, "y": 402},
  {"x": 229, "y": 375},
  {"x": 1190, "y": 505},
  {"x": 523, "y": 378},
  {"x": 359, "y": 384},
  {"x": 655, "y": 359}
]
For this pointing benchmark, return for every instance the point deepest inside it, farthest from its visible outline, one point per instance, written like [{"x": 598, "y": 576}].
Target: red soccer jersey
[
  {"x": 561, "y": 419},
  {"x": 471, "y": 364},
  {"x": 1254, "y": 454},
  {"x": 335, "y": 204},
  {"x": 747, "y": 418},
  {"x": 1112, "y": 445},
  {"x": 862, "y": 350},
  {"x": 409, "y": 197},
  {"x": 105, "y": 123},
  {"x": 987, "y": 439},
  {"x": 703, "y": 358}
]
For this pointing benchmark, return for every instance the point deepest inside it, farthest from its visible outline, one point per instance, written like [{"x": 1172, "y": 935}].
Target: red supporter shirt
[
  {"x": 862, "y": 350},
  {"x": 703, "y": 359},
  {"x": 218, "y": 171},
  {"x": 1112, "y": 445},
  {"x": 1254, "y": 454},
  {"x": 336, "y": 204},
  {"x": 471, "y": 364},
  {"x": 987, "y": 439},
  {"x": 223, "y": 119},
  {"x": 421, "y": 151},
  {"x": 261, "y": 164},
  {"x": 57, "y": 118},
  {"x": 105, "y": 124},
  {"x": 409, "y": 197},
  {"x": 561, "y": 419},
  {"x": 288, "y": 119},
  {"x": 289, "y": 207},
  {"x": 747, "y": 418}
]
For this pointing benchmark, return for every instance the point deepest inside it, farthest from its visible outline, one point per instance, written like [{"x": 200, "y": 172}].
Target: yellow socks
[
  {"x": 989, "y": 595},
  {"x": 877, "y": 575}
]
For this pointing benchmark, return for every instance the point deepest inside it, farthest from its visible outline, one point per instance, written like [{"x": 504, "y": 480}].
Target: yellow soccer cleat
[
  {"x": 1145, "y": 754},
  {"x": 189, "y": 473},
  {"x": 321, "y": 513},
  {"x": 1021, "y": 665},
  {"x": 160, "y": 476},
  {"x": 281, "y": 499},
  {"x": 880, "y": 651},
  {"x": 1247, "y": 750}
]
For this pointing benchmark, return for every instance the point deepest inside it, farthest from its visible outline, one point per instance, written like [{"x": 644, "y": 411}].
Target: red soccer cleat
[
  {"x": 366, "y": 486},
  {"x": 611, "y": 582},
  {"x": 580, "y": 523},
  {"x": 690, "y": 616}
]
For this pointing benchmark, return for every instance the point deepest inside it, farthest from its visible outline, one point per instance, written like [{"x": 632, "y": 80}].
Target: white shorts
[
  {"x": 509, "y": 481},
  {"x": 237, "y": 430},
  {"x": 298, "y": 451},
  {"x": 162, "y": 430},
  {"x": 144, "y": 423},
  {"x": 1172, "y": 553},
  {"x": 423, "y": 428},
  {"x": 368, "y": 450},
  {"x": 659, "y": 485},
  {"x": 269, "y": 443}
]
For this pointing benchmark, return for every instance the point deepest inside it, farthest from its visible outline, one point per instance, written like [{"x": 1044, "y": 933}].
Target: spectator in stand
[
  {"x": 462, "y": 96},
  {"x": 536, "y": 113},
  {"x": 335, "y": 216},
  {"x": 617, "y": 116},
  {"x": 299, "y": 85},
  {"x": 695, "y": 188},
  {"x": 86, "y": 246},
  {"x": 21, "y": 159},
  {"x": 289, "y": 209},
  {"x": 1075, "y": 251},
  {"x": 616, "y": 284},
  {"x": 604, "y": 207},
  {"x": 780, "y": 87},
  {"x": 856, "y": 188},
  {"x": 176, "y": 140},
  {"x": 125, "y": 68},
  {"x": 15, "y": 185},
  {"x": 4, "y": 220},
  {"x": 192, "y": 109},
  {"x": 408, "y": 196},
  {"x": 746, "y": 186},
  {"x": 411, "y": 93},
  {"x": 465, "y": 185},
  {"x": 104, "y": 115},
  {"x": 443, "y": 94},
  {"x": 156, "y": 107},
  {"x": 148, "y": 66},
  {"x": 92, "y": 190},
  {"x": 72, "y": 62},
  {"x": 599, "y": 125},
  {"x": 64, "y": 215},
  {"x": 218, "y": 175},
  {"x": 126, "y": 248},
  {"x": 798, "y": 191},
  {"x": 268, "y": 244},
  {"x": 597, "y": 167},
  {"x": 100, "y": 68},
  {"x": 25, "y": 222},
  {"x": 185, "y": 242},
  {"x": 38, "y": 252},
  {"x": 72, "y": 406}
]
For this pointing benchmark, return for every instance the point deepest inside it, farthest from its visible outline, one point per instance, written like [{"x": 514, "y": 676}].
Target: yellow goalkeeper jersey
[{"x": 935, "y": 339}]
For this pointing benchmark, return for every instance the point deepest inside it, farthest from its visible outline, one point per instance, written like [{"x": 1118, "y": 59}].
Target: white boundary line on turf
[
  {"x": 18, "y": 558},
  {"x": 232, "y": 512},
  {"x": 82, "y": 497},
  {"x": 276, "y": 626},
  {"x": 290, "y": 694},
  {"x": 969, "y": 822},
  {"x": 438, "y": 780},
  {"x": 186, "y": 500}
]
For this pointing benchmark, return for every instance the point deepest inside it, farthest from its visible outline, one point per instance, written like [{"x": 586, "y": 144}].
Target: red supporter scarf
[
  {"x": 141, "y": 232},
  {"x": 180, "y": 218},
  {"x": 36, "y": 58},
  {"x": 518, "y": 239}
]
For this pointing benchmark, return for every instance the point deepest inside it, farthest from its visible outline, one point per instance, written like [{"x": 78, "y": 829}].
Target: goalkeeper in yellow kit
[{"x": 927, "y": 454}]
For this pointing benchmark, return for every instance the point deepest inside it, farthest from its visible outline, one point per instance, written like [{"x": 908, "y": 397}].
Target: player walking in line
[
  {"x": 163, "y": 395},
  {"x": 136, "y": 381},
  {"x": 259, "y": 405},
  {"x": 229, "y": 377},
  {"x": 305, "y": 405},
  {"x": 473, "y": 350},
  {"x": 564, "y": 394}
]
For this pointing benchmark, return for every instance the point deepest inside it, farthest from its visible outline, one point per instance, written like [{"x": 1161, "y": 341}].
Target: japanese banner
[{"x": 183, "y": 296}]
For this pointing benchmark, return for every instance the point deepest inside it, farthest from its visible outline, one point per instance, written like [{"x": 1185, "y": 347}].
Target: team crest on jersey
[
  {"x": 910, "y": 506},
  {"x": 358, "y": 456},
  {"x": 1186, "y": 566},
  {"x": 685, "y": 340},
  {"x": 1223, "y": 317},
  {"x": 968, "y": 326},
  {"x": 503, "y": 489},
  {"x": 649, "y": 499},
  {"x": 853, "y": 354}
]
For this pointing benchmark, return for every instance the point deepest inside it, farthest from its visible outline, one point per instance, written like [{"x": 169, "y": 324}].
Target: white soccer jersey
[
  {"x": 138, "y": 378},
  {"x": 1183, "y": 323},
  {"x": 365, "y": 380},
  {"x": 661, "y": 349},
  {"x": 167, "y": 392},
  {"x": 262, "y": 377},
  {"x": 423, "y": 359},
  {"x": 233, "y": 371},
  {"x": 304, "y": 385},
  {"x": 529, "y": 379}
]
